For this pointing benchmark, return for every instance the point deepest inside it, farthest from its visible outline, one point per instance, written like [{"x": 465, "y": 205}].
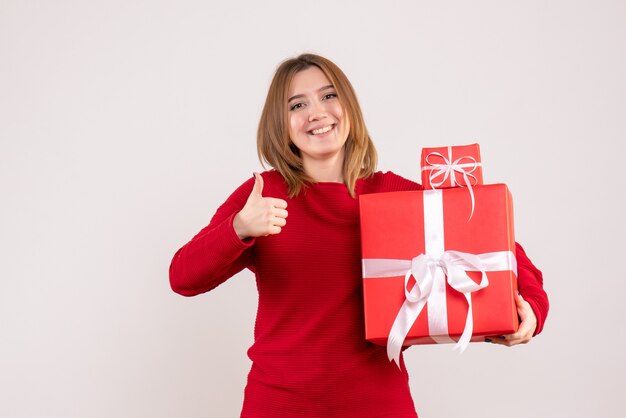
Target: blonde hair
[{"x": 276, "y": 148}]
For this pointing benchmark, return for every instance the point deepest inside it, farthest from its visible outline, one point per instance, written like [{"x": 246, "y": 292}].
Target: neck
[{"x": 326, "y": 170}]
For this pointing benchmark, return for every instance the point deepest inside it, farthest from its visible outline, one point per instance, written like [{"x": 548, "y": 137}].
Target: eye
[
  {"x": 296, "y": 106},
  {"x": 330, "y": 96}
]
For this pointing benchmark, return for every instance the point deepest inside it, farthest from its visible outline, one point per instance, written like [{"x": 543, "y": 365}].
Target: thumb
[
  {"x": 258, "y": 185},
  {"x": 519, "y": 300}
]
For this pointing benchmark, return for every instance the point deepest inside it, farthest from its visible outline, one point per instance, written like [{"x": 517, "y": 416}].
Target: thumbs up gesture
[{"x": 260, "y": 216}]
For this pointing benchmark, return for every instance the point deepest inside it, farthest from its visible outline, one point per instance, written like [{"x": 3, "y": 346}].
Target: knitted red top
[{"x": 310, "y": 357}]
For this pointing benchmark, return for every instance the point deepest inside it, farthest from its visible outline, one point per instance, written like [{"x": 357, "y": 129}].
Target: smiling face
[{"x": 317, "y": 122}]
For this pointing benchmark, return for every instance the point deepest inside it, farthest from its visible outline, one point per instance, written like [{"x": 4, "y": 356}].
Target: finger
[
  {"x": 517, "y": 339},
  {"x": 522, "y": 332},
  {"x": 520, "y": 303},
  {"x": 527, "y": 316},
  {"x": 522, "y": 336},
  {"x": 509, "y": 342},
  {"x": 280, "y": 213},
  {"x": 498, "y": 339},
  {"x": 258, "y": 185},
  {"x": 527, "y": 324},
  {"x": 275, "y": 230},
  {"x": 278, "y": 203},
  {"x": 279, "y": 222}
]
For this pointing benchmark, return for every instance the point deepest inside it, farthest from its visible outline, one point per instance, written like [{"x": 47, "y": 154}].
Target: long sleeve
[
  {"x": 216, "y": 253},
  {"x": 530, "y": 283}
]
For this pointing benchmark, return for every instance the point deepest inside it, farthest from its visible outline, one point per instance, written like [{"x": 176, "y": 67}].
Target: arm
[
  {"x": 530, "y": 283},
  {"x": 224, "y": 247},
  {"x": 216, "y": 253},
  {"x": 532, "y": 302}
]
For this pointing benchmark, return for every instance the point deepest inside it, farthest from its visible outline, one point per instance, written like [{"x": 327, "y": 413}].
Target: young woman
[{"x": 297, "y": 228}]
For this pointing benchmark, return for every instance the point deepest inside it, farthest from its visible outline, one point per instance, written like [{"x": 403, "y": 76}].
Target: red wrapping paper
[{"x": 392, "y": 227}]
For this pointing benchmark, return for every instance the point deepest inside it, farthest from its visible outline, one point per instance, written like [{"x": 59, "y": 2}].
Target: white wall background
[{"x": 124, "y": 124}]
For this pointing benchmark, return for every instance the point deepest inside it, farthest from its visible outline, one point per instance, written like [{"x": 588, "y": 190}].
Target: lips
[{"x": 322, "y": 130}]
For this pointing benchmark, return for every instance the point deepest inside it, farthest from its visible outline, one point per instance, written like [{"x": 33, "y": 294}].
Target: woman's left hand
[{"x": 526, "y": 328}]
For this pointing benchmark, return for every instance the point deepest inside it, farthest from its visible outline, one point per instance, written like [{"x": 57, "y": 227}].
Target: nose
[{"x": 317, "y": 111}]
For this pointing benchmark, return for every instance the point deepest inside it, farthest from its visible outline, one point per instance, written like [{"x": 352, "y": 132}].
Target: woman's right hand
[{"x": 260, "y": 216}]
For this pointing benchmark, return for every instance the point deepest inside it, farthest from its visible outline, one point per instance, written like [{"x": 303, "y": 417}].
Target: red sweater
[{"x": 310, "y": 357}]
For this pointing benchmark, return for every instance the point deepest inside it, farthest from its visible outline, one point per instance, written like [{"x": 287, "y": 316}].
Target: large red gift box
[
  {"x": 452, "y": 166},
  {"x": 399, "y": 227}
]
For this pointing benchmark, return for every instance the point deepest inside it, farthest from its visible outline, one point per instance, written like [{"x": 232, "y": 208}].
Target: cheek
[
  {"x": 292, "y": 126},
  {"x": 340, "y": 114},
  {"x": 295, "y": 124},
  {"x": 338, "y": 110}
]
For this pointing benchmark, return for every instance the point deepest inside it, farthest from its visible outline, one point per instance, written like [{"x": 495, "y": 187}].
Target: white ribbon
[
  {"x": 431, "y": 271},
  {"x": 449, "y": 169}
]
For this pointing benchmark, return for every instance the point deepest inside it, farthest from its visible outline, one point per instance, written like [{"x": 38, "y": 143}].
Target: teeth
[{"x": 321, "y": 130}]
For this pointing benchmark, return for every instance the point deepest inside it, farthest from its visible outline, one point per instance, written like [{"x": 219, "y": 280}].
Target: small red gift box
[
  {"x": 453, "y": 166},
  {"x": 425, "y": 264}
]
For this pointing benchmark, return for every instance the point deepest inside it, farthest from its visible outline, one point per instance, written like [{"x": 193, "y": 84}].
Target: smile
[{"x": 321, "y": 130}]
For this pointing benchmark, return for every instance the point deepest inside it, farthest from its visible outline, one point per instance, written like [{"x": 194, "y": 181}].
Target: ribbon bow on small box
[{"x": 452, "y": 166}]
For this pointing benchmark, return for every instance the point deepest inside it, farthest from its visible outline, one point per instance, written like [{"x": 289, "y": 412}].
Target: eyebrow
[{"x": 299, "y": 96}]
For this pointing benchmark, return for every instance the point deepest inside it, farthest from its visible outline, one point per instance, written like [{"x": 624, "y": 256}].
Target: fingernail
[{"x": 488, "y": 340}]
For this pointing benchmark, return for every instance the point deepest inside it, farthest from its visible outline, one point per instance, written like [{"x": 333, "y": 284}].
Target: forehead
[{"x": 309, "y": 80}]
